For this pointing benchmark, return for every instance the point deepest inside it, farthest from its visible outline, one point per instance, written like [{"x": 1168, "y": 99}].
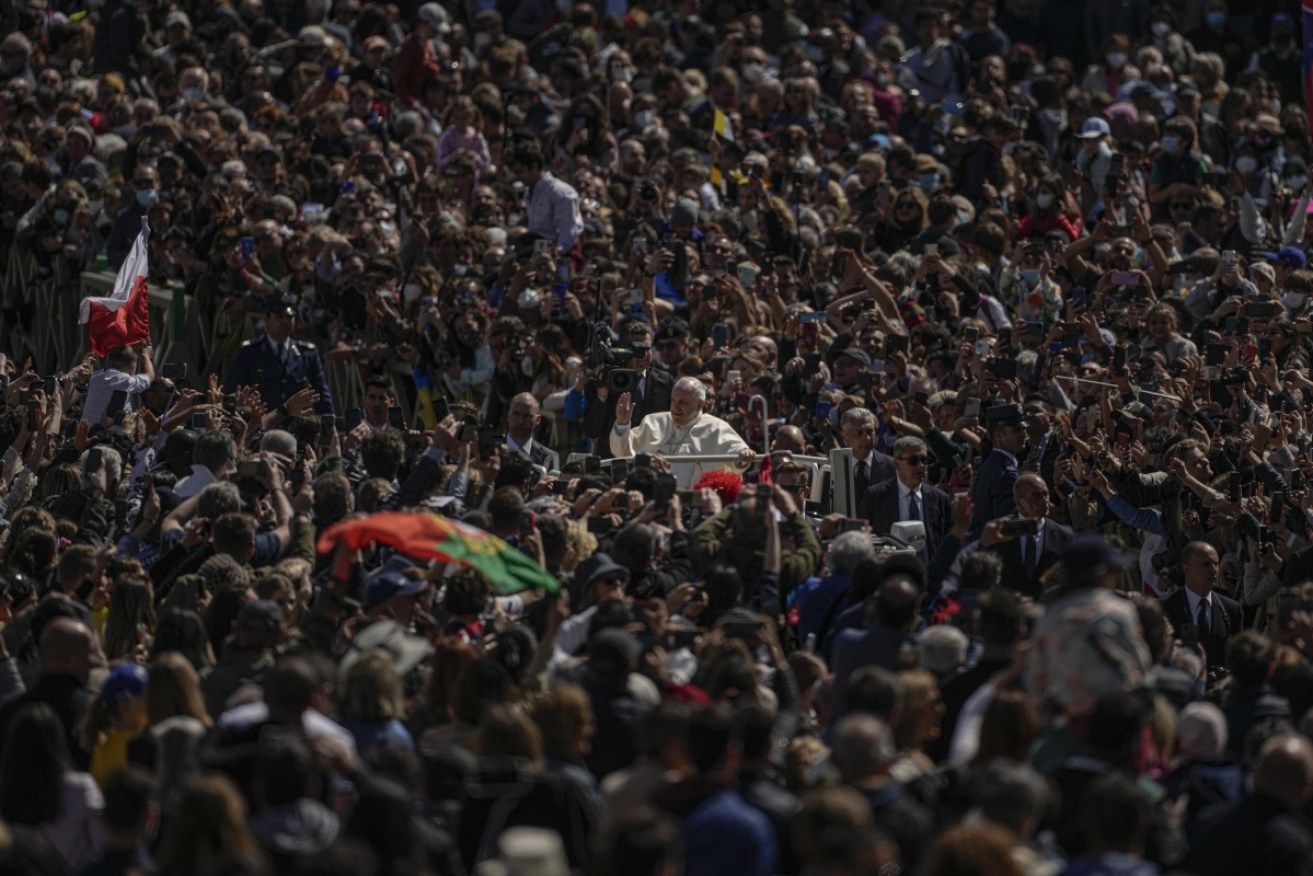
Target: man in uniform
[
  {"x": 992, "y": 492},
  {"x": 278, "y": 364}
]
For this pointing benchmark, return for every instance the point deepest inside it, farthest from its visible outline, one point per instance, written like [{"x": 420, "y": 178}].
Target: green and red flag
[{"x": 432, "y": 537}]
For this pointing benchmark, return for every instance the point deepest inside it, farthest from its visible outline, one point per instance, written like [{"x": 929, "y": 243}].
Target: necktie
[
  {"x": 861, "y": 478},
  {"x": 1204, "y": 617},
  {"x": 913, "y": 507},
  {"x": 1030, "y": 558}
]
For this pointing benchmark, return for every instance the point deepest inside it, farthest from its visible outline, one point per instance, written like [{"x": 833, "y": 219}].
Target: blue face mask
[
  {"x": 148, "y": 198},
  {"x": 1215, "y": 19},
  {"x": 929, "y": 180},
  {"x": 1030, "y": 277}
]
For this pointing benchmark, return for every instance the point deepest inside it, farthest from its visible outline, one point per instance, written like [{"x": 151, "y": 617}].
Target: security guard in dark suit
[
  {"x": 991, "y": 494},
  {"x": 277, "y": 363}
]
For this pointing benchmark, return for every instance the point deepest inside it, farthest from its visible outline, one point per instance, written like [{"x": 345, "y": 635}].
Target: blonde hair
[
  {"x": 174, "y": 689},
  {"x": 371, "y": 689}
]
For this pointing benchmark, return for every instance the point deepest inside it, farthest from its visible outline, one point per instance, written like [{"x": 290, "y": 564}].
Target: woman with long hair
[
  {"x": 131, "y": 620},
  {"x": 372, "y": 703},
  {"x": 584, "y": 139},
  {"x": 39, "y": 787},
  {"x": 176, "y": 723},
  {"x": 918, "y": 723},
  {"x": 209, "y": 834},
  {"x": 183, "y": 631}
]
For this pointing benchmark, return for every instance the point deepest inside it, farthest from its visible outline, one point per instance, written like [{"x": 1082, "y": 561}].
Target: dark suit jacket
[
  {"x": 254, "y": 364},
  {"x": 882, "y": 469},
  {"x": 992, "y": 491},
  {"x": 1227, "y": 620},
  {"x": 599, "y": 418},
  {"x": 1055, "y": 539},
  {"x": 880, "y": 506}
]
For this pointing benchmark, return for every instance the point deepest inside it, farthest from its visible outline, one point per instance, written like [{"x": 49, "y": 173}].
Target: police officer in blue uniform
[
  {"x": 991, "y": 494},
  {"x": 276, "y": 362}
]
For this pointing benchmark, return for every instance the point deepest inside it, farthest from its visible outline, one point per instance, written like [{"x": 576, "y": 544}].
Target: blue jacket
[{"x": 726, "y": 835}]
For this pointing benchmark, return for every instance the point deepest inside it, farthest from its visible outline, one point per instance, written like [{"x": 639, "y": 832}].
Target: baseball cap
[
  {"x": 435, "y": 16},
  {"x": 312, "y": 36},
  {"x": 177, "y": 16},
  {"x": 386, "y": 584},
  {"x": 1094, "y": 127},
  {"x": 259, "y": 616},
  {"x": 1291, "y": 256},
  {"x": 127, "y": 680},
  {"x": 858, "y": 354}
]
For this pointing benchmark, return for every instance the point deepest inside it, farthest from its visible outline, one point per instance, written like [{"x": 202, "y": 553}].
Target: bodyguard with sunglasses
[{"x": 906, "y": 496}]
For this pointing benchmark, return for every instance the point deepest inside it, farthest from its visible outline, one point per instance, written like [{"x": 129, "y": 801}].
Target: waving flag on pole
[
  {"x": 123, "y": 318},
  {"x": 1308, "y": 60}
]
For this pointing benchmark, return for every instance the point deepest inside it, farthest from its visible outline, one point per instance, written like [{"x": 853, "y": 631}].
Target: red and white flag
[{"x": 123, "y": 319}]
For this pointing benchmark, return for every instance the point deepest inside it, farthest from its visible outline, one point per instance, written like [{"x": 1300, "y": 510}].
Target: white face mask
[
  {"x": 1044, "y": 200},
  {"x": 643, "y": 118},
  {"x": 411, "y": 292},
  {"x": 1116, "y": 60},
  {"x": 1160, "y": 29},
  {"x": 191, "y": 95},
  {"x": 529, "y": 299},
  {"x": 753, "y": 71},
  {"x": 1246, "y": 164}
]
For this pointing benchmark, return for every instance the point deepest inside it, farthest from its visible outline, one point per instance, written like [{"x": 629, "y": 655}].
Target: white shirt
[
  {"x": 904, "y": 502},
  {"x": 200, "y": 478},
  {"x": 527, "y": 446},
  {"x": 103, "y": 384},
  {"x": 1038, "y": 538},
  {"x": 1193, "y": 599}
]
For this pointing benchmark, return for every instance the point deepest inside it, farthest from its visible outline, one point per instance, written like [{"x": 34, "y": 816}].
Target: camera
[{"x": 647, "y": 190}]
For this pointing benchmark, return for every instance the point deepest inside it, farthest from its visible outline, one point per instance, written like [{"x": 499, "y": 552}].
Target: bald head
[
  {"x": 789, "y": 438},
  {"x": 67, "y": 647},
  {"x": 1031, "y": 496},
  {"x": 522, "y": 417},
  {"x": 1285, "y": 769}
]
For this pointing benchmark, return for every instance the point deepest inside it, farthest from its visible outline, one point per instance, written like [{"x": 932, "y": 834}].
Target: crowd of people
[{"x": 904, "y": 410}]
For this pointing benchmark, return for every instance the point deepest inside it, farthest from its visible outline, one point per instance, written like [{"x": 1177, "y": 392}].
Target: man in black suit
[
  {"x": 858, "y": 428},
  {"x": 906, "y": 496},
  {"x": 651, "y": 393},
  {"x": 992, "y": 491},
  {"x": 1217, "y": 617},
  {"x": 1027, "y": 557},
  {"x": 522, "y": 421}
]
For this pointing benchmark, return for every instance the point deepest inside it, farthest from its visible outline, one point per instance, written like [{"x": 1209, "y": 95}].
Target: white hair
[
  {"x": 943, "y": 649},
  {"x": 848, "y": 549},
  {"x": 279, "y": 441},
  {"x": 692, "y": 385}
]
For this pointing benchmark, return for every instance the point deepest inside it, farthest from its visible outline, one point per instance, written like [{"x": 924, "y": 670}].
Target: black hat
[
  {"x": 280, "y": 302},
  {"x": 672, "y": 330},
  {"x": 599, "y": 565},
  {"x": 1005, "y": 415}
]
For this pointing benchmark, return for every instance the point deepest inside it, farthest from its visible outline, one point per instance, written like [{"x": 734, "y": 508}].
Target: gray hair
[
  {"x": 106, "y": 459},
  {"x": 848, "y": 549},
  {"x": 909, "y": 442},
  {"x": 692, "y": 385},
  {"x": 280, "y": 442},
  {"x": 217, "y": 499},
  {"x": 852, "y": 415},
  {"x": 863, "y": 746},
  {"x": 943, "y": 649}
]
